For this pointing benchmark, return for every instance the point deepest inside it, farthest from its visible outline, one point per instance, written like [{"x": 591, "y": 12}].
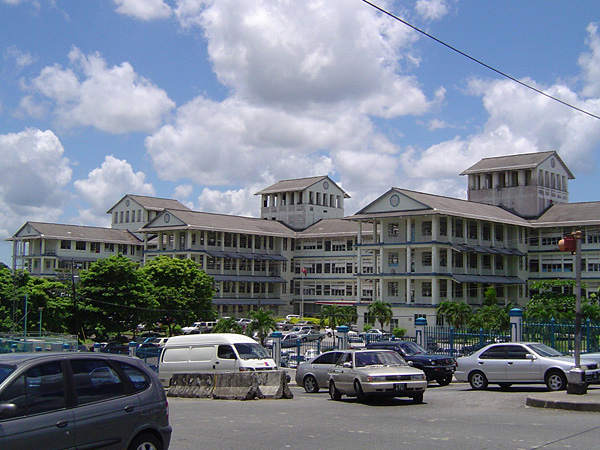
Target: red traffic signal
[{"x": 567, "y": 244}]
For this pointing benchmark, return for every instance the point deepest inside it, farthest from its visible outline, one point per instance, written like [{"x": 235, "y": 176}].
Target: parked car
[
  {"x": 285, "y": 325},
  {"x": 199, "y": 327},
  {"x": 361, "y": 373},
  {"x": 115, "y": 347},
  {"x": 76, "y": 400},
  {"x": 309, "y": 335},
  {"x": 300, "y": 329},
  {"x": 287, "y": 340},
  {"x": 436, "y": 367},
  {"x": 313, "y": 375},
  {"x": 520, "y": 362}
]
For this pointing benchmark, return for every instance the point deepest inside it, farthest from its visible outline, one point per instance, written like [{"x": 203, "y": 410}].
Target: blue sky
[{"x": 209, "y": 101}]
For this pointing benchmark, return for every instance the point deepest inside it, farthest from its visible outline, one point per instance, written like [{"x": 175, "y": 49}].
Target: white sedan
[{"x": 520, "y": 363}]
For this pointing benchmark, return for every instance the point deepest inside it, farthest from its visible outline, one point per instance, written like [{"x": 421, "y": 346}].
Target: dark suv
[
  {"x": 436, "y": 367},
  {"x": 81, "y": 400}
]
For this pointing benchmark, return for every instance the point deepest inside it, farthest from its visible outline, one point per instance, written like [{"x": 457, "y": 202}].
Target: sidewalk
[{"x": 571, "y": 402}]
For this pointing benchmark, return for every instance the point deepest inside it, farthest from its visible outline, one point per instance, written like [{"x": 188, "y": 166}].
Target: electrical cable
[{"x": 487, "y": 66}]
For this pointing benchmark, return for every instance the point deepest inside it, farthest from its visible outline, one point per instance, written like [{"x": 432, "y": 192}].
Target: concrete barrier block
[
  {"x": 273, "y": 384},
  {"x": 235, "y": 386},
  {"x": 197, "y": 385}
]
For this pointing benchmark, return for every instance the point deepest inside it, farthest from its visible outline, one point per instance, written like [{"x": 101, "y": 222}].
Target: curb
[{"x": 563, "y": 404}]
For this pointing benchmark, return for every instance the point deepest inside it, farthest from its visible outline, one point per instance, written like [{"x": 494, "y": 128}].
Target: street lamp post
[{"x": 40, "y": 309}]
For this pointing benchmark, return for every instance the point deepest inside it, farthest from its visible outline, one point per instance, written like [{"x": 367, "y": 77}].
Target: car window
[
  {"x": 251, "y": 351},
  {"x": 412, "y": 348},
  {"x": 517, "y": 352},
  {"x": 226, "y": 352},
  {"x": 95, "y": 380},
  {"x": 346, "y": 357},
  {"x": 5, "y": 371},
  {"x": 497, "y": 352},
  {"x": 41, "y": 389},
  {"x": 327, "y": 358},
  {"x": 138, "y": 378}
]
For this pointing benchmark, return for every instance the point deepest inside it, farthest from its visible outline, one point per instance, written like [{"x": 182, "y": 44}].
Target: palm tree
[
  {"x": 455, "y": 314},
  {"x": 262, "y": 323},
  {"x": 381, "y": 312},
  {"x": 333, "y": 315},
  {"x": 228, "y": 325}
]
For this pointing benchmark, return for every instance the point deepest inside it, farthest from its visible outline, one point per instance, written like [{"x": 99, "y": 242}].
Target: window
[
  {"x": 486, "y": 231},
  {"x": 426, "y": 259},
  {"x": 426, "y": 289},
  {"x": 95, "y": 380},
  {"x": 109, "y": 247},
  {"x": 497, "y": 352},
  {"x": 486, "y": 261},
  {"x": 473, "y": 229},
  {"x": 393, "y": 289},
  {"x": 65, "y": 245},
  {"x": 40, "y": 389},
  {"x": 457, "y": 260},
  {"x": 499, "y": 262},
  {"x": 138, "y": 378},
  {"x": 458, "y": 228},
  {"x": 426, "y": 228},
  {"x": 534, "y": 265},
  {"x": 472, "y": 260},
  {"x": 393, "y": 259},
  {"x": 443, "y": 226},
  {"x": 443, "y": 259},
  {"x": 80, "y": 245},
  {"x": 393, "y": 229},
  {"x": 226, "y": 352},
  {"x": 499, "y": 232},
  {"x": 95, "y": 247}
]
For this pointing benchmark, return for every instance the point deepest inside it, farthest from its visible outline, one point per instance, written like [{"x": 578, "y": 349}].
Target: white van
[{"x": 215, "y": 352}]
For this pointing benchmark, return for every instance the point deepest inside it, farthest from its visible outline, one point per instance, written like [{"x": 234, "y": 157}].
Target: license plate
[{"x": 399, "y": 386}]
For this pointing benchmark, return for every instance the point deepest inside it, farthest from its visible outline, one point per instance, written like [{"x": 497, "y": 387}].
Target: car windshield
[
  {"x": 5, "y": 371},
  {"x": 412, "y": 348},
  {"x": 544, "y": 350},
  {"x": 251, "y": 351},
  {"x": 363, "y": 359}
]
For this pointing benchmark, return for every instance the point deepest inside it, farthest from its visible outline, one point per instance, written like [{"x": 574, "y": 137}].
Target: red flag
[{"x": 304, "y": 271}]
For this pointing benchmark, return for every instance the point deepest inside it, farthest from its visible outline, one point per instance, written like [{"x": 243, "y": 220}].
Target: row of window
[
  {"x": 458, "y": 230},
  {"x": 96, "y": 247},
  {"x": 325, "y": 245},
  {"x": 128, "y": 216},
  {"x": 562, "y": 266}
]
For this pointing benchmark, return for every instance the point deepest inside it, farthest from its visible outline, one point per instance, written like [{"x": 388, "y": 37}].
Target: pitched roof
[
  {"x": 437, "y": 204},
  {"x": 569, "y": 214},
  {"x": 297, "y": 184},
  {"x": 233, "y": 224},
  {"x": 514, "y": 162},
  {"x": 153, "y": 203},
  {"x": 78, "y": 232},
  {"x": 332, "y": 228}
]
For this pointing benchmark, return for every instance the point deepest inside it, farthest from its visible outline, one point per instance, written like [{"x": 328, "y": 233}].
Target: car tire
[
  {"x": 444, "y": 381},
  {"x": 146, "y": 441},
  {"x": 556, "y": 380},
  {"x": 418, "y": 398},
  {"x": 478, "y": 380},
  {"x": 360, "y": 395},
  {"x": 304, "y": 339},
  {"x": 333, "y": 392},
  {"x": 310, "y": 384},
  {"x": 504, "y": 385}
]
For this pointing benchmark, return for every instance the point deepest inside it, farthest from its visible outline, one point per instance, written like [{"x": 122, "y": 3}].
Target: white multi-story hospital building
[{"x": 410, "y": 249}]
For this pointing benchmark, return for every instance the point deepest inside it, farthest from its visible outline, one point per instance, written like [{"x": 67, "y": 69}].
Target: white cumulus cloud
[
  {"x": 143, "y": 9},
  {"x": 113, "y": 99}
]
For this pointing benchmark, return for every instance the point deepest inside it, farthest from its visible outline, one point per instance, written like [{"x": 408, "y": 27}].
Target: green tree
[
  {"x": 183, "y": 291},
  {"x": 491, "y": 317},
  {"x": 381, "y": 312},
  {"x": 332, "y": 316},
  {"x": 228, "y": 325},
  {"x": 455, "y": 314},
  {"x": 112, "y": 297},
  {"x": 551, "y": 299},
  {"x": 57, "y": 304},
  {"x": 490, "y": 296},
  {"x": 6, "y": 296},
  {"x": 262, "y": 323}
]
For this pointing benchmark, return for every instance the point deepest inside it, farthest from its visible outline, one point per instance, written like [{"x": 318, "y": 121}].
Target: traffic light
[{"x": 567, "y": 244}]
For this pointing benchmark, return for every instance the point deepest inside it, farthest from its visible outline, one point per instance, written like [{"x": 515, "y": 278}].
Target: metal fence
[{"x": 10, "y": 343}]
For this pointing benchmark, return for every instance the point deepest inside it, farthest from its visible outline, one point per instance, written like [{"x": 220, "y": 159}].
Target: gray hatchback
[{"x": 77, "y": 400}]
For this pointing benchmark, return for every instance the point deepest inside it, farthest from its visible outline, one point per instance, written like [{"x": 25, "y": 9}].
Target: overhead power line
[{"x": 487, "y": 66}]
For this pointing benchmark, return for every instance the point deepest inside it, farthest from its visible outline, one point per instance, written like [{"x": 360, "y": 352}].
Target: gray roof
[
  {"x": 79, "y": 233},
  {"x": 569, "y": 214},
  {"x": 154, "y": 203},
  {"x": 333, "y": 228},
  {"x": 437, "y": 204},
  {"x": 233, "y": 224},
  {"x": 514, "y": 162},
  {"x": 298, "y": 184}
]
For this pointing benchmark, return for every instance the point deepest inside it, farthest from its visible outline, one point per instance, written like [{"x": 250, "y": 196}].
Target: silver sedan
[
  {"x": 362, "y": 373},
  {"x": 312, "y": 375},
  {"x": 520, "y": 362}
]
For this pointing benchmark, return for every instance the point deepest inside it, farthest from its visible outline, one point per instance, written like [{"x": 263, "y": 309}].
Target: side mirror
[
  {"x": 7, "y": 410},
  {"x": 410, "y": 363},
  {"x": 347, "y": 365},
  {"x": 530, "y": 356}
]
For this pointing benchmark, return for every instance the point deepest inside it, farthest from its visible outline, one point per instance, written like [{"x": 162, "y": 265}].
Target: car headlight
[
  {"x": 373, "y": 378},
  {"x": 420, "y": 376}
]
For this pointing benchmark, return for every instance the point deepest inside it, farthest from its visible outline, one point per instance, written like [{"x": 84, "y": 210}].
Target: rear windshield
[
  {"x": 5, "y": 371},
  {"x": 251, "y": 351}
]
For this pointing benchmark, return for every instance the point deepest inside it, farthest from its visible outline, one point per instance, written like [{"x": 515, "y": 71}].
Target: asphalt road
[{"x": 452, "y": 417}]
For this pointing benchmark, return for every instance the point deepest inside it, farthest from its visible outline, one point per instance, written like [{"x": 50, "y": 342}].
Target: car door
[
  {"x": 522, "y": 365},
  {"x": 105, "y": 414},
  {"x": 40, "y": 419},
  {"x": 493, "y": 363},
  {"x": 342, "y": 373},
  {"x": 322, "y": 364},
  {"x": 226, "y": 358}
]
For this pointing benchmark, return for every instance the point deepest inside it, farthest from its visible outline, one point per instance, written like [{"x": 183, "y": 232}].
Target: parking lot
[{"x": 451, "y": 417}]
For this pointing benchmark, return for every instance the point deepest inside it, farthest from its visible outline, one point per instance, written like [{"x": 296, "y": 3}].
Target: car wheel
[
  {"x": 556, "y": 380},
  {"x": 328, "y": 334},
  {"x": 504, "y": 385},
  {"x": 310, "y": 384},
  {"x": 444, "y": 381},
  {"x": 477, "y": 380},
  {"x": 360, "y": 395},
  {"x": 146, "y": 441},
  {"x": 333, "y": 392},
  {"x": 304, "y": 339},
  {"x": 418, "y": 398}
]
